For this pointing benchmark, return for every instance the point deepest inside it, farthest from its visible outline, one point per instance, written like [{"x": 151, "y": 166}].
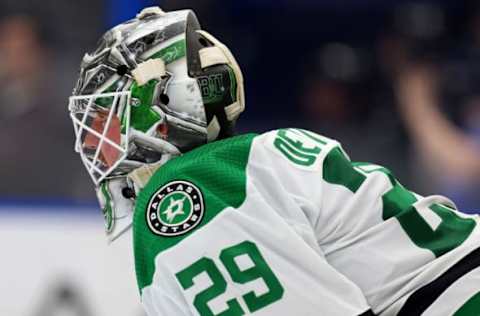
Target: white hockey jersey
[{"x": 284, "y": 224}]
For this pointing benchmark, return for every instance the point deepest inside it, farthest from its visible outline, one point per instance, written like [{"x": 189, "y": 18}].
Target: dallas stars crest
[{"x": 175, "y": 209}]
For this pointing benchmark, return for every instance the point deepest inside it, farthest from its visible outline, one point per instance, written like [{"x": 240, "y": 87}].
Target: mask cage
[{"x": 102, "y": 126}]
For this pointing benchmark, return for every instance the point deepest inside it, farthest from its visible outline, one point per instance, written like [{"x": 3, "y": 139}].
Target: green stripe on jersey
[
  {"x": 471, "y": 307},
  {"x": 337, "y": 169},
  {"x": 399, "y": 202},
  {"x": 218, "y": 169}
]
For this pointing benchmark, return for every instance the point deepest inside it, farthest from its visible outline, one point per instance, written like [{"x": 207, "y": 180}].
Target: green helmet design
[{"x": 156, "y": 85}]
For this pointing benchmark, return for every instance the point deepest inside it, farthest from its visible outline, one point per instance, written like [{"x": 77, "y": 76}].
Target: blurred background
[{"x": 396, "y": 82}]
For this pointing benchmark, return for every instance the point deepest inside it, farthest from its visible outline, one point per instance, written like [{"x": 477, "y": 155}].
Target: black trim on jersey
[
  {"x": 368, "y": 313},
  {"x": 419, "y": 301}
]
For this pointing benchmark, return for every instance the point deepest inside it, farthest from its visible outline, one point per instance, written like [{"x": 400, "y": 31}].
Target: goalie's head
[{"x": 155, "y": 85}]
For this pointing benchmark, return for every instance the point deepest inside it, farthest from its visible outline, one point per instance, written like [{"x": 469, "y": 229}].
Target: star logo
[{"x": 175, "y": 209}]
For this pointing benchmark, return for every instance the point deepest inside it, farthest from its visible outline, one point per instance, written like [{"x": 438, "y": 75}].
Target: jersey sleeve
[
  {"x": 335, "y": 194},
  {"x": 299, "y": 159},
  {"x": 342, "y": 198},
  {"x": 371, "y": 228}
]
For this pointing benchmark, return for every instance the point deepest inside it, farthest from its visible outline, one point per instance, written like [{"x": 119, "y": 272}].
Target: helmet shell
[{"x": 192, "y": 94}]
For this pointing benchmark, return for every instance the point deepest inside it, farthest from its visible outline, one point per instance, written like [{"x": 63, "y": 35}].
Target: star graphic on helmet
[{"x": 174, "y": 209}]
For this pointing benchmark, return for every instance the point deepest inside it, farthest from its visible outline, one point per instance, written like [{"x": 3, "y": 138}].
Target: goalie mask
[{"x": 156, "y": 86}]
